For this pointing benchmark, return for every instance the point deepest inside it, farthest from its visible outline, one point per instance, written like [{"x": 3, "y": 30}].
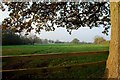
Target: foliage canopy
[{"x": 47, "y": 15}]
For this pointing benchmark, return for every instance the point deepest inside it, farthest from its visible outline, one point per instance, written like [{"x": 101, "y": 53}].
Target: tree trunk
[{"x": 113, "y": 62}]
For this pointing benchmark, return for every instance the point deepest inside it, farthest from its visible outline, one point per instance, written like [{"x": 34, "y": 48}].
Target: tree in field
[
  {"x": 99, "y": 40},
  {"x": 34, "y": 39},
  {"x": 44, "y": 41},
  {"x": 25, "y": 40},
  {"x": 57, "y": 41},
  {"x": 75, "y": 41},
  {"x": 51, "y": 41}
]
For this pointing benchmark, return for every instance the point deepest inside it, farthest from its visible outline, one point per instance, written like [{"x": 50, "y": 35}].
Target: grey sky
[{"x": 83, "y": 33}]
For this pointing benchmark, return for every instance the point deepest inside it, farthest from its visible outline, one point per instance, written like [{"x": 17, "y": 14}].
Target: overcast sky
[{"x": 83, "y": 33}]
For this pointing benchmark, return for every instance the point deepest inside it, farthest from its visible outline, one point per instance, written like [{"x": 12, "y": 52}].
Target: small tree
[
  {"x": 45, "y": 41},
  {"x": 99, "y": 40},
  {"x": 51, "y": 41},
  {"x": 34, "y": 39},
  {"x": 75, "y": 41}
]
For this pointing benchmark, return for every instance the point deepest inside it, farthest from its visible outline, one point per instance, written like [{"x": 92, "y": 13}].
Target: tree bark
[{"x": 113, "y": 62}]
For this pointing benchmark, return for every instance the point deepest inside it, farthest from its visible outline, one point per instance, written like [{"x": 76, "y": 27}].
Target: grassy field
[
  {"x": 51, "y": 48},
  {"x": 85, "y": 72}
]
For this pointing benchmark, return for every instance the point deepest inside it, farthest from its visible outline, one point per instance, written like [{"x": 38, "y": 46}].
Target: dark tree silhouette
[
  {"x": 45, "y": 15},
  {"x": 75, "y": 41}
]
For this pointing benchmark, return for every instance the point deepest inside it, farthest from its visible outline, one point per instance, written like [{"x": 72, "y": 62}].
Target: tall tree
[{"x": 113, "y": 62}]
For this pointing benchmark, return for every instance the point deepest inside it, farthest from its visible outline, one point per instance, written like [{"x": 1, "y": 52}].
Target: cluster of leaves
[
  {"x": 47, "y": 15},
  {"x": 2, "y": 7}
]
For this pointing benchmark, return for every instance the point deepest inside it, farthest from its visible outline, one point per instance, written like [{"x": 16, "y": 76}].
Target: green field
[
  {"x": 51, "y": 48},
  {"x": 85, "y": 72}
]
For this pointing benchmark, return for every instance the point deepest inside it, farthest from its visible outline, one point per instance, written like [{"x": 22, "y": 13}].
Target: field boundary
[
  {"x": 53, "y": 69},
  {"x": 46, "y": 70},
  {"x": 53, "y": 55}
]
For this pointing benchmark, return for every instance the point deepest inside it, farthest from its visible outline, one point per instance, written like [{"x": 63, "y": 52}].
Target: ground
[{"x": 86, "y": 71}]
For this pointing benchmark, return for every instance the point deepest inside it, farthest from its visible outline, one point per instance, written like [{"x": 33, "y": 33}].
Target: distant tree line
[
  {"x": 97, "y": 40},
  {"x": 11, "y": 38}
]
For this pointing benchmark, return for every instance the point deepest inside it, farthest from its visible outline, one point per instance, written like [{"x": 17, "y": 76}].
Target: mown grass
[{"x": 53, "y": 48}]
